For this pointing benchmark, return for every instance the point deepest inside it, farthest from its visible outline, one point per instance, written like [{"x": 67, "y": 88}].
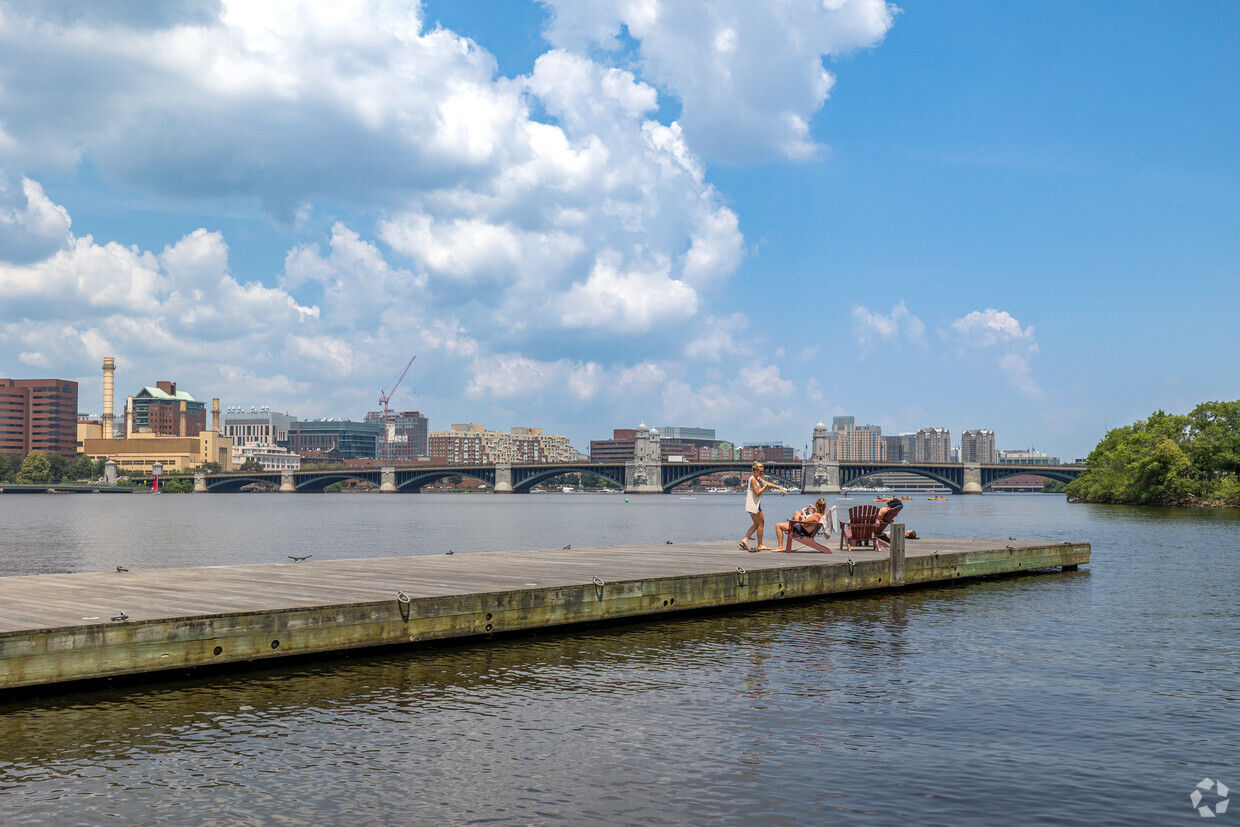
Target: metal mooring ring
[
  {"x": 598, "y": 581},
  {"x": 401, "y": 597}
]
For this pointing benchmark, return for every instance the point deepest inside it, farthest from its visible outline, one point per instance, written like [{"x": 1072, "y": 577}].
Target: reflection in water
[{"x": 1114, "y": 686}]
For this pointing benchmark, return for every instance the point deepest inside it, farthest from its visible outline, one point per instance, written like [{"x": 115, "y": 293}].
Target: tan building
[{"x": 140, "y": 452}]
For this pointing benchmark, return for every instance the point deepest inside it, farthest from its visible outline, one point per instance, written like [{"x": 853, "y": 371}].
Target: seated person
[{"x": 804, "y": 522}]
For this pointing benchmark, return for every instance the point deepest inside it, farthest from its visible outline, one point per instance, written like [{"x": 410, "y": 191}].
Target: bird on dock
[
  {"x": 668, "y": 543},
  {"x": 121, "y": 568},
  {"x": 449, "y": 551},
  {"x": 299, "y": 559},
  {"x": 570, "y": 545},
  {"x": 121, "y": 616}
]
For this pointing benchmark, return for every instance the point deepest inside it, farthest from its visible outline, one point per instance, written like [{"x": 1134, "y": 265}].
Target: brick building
[{"x": 38, "y": 415}]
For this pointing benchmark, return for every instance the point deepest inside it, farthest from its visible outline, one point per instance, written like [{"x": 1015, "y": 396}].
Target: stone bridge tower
[
  {"x": 819, "y": 474},
  {"x": 644, "y": 474}
]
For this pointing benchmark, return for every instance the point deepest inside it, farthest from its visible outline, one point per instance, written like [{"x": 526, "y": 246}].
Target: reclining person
[
  {"x": 887, "y": 515},
  {"x": 804, "y": 523}
]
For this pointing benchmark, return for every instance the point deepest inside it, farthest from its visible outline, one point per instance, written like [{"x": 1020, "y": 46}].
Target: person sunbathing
[{"x": 804, "y": 523}]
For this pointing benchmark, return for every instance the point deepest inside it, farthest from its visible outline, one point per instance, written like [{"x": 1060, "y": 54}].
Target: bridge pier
[
  {"x": 387, "y": 480},
  {"x": 972, "y": 479},
  {"x": 287, "y": 483},
  {"x": 643, "y": 477},
  {"x": 503, "y": 478},
  {"x": 200, "y": 482}
]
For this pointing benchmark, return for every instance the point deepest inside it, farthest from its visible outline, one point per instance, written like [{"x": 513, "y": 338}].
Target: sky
[{"x": 581, "y": 215}]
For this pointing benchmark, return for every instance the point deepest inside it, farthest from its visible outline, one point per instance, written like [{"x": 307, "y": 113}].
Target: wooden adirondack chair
[
  {"x": 861, "y": 528},
  {"x": 819, "y": 528}
]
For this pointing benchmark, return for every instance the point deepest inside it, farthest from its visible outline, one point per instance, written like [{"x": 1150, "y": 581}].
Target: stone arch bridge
[{"x": 646, "y": 477}]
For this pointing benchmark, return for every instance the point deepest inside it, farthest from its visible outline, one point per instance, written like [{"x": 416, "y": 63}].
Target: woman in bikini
[
  {"x": 803, "y": 523},
  {"x": 753, "y": 504}
]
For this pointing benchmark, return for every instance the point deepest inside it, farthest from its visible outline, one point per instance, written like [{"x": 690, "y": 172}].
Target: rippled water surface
[{"x": 1098, "y": 696}]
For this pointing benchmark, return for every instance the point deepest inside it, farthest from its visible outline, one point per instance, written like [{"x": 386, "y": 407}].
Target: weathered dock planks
[{"x": 60, "y": 627}]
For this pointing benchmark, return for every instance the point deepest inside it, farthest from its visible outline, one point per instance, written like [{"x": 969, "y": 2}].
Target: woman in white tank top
[{"x": 753, "y": 504}]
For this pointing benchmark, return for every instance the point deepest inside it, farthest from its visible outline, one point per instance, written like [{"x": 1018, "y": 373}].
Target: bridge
[{"x": 633, "y": 477}]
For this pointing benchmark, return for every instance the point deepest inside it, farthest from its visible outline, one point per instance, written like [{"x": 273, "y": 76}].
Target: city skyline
[{"x": 584, "y": 216}]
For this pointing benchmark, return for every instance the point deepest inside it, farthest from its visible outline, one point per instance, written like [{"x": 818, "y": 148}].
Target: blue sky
[{"x": 583, "y": 215}]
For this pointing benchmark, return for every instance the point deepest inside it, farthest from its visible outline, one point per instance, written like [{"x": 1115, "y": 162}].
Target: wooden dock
[{"x": 71, "y": 627}]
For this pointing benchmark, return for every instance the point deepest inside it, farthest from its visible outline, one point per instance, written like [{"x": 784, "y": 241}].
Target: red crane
[{"x": 384, "y": 397}]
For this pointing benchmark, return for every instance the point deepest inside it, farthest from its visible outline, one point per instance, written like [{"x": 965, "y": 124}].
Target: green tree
[
  {"x": 79, "y": 468},
  {"x": 251, "y": 464},
  {"x": 1214, "y": 438},
  {"x": 177, "y": 486},
  {"x": 8, "y": 467},
  {"x": 35, "y": 469},
  {"x": 59, "y": 466},
  {"x": 212, "y": 467}
]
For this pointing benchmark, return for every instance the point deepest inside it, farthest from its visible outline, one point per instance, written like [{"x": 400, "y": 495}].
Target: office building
[
  {"x": 934, "y": 445},
  {"x": 354, "y": 440},
  {"x": 406, "y": 434},
  {"x": 258, "y": 426},
  {"x": 901, "y": 447},
  {"x": 622, "y": 447},
  {"x": 38, "y": 415},
  {"x": 1029, "y": 457},
  {"x": 978, "y": 446}
]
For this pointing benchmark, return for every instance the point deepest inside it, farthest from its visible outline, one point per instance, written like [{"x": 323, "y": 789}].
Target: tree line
[{"x": 1168, "y": 459}]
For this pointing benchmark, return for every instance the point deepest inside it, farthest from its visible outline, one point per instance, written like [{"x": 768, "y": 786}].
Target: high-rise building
[
  {"x": 978, "y": 446},
  {"x": 934, "y": 445},
  {"x": 38, "y": 415},
  {"x": 406, "y": 434}
]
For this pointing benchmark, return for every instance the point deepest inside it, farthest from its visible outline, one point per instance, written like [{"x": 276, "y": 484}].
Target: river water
[{"x": 1101, "y": 696}]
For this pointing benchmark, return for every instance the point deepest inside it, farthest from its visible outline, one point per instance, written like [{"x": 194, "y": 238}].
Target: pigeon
[
  {"x": 299, "y": 559},
  {"x": 121, "y": 568}
]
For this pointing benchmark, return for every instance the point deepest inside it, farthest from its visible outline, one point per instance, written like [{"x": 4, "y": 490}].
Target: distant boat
[
  {"x": 937, "y": 498},
  {"x": 568, "y": 489}
]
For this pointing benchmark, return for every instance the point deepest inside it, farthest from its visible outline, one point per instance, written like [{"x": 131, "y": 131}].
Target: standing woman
[{"x": 753, "y": 504}]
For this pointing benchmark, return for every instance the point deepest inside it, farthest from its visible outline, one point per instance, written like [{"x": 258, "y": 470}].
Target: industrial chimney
[
  {"x": 215, "y": 415},
  {"x": 109, "y": 368}
]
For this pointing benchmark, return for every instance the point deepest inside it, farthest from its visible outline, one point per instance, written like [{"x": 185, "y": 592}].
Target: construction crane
[{"x": 384, "y": 397}]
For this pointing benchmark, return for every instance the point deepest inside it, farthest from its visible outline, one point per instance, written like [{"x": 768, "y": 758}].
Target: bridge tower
[
  {"x": 819, "y": 474},
  {"x": 644, "y": 474}
]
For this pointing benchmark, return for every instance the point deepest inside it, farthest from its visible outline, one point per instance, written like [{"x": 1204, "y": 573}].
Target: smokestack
[
  {"x": 109, "y": 369},
  {"x": 128, "y": 417},
  {"x": 215, "y": 415},
  {"x": 181, "y": 430}
]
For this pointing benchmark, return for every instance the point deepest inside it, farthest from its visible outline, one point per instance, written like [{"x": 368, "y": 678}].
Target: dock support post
[
  {"x": 972, "y": 479},
  {"x": 287, "y": 486},
  {"x": 503, "y": 478},
  {"x": 897, "y": 554},
  {"x": 387, "y": 480},
  {"x": 200, "y": 482}
]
